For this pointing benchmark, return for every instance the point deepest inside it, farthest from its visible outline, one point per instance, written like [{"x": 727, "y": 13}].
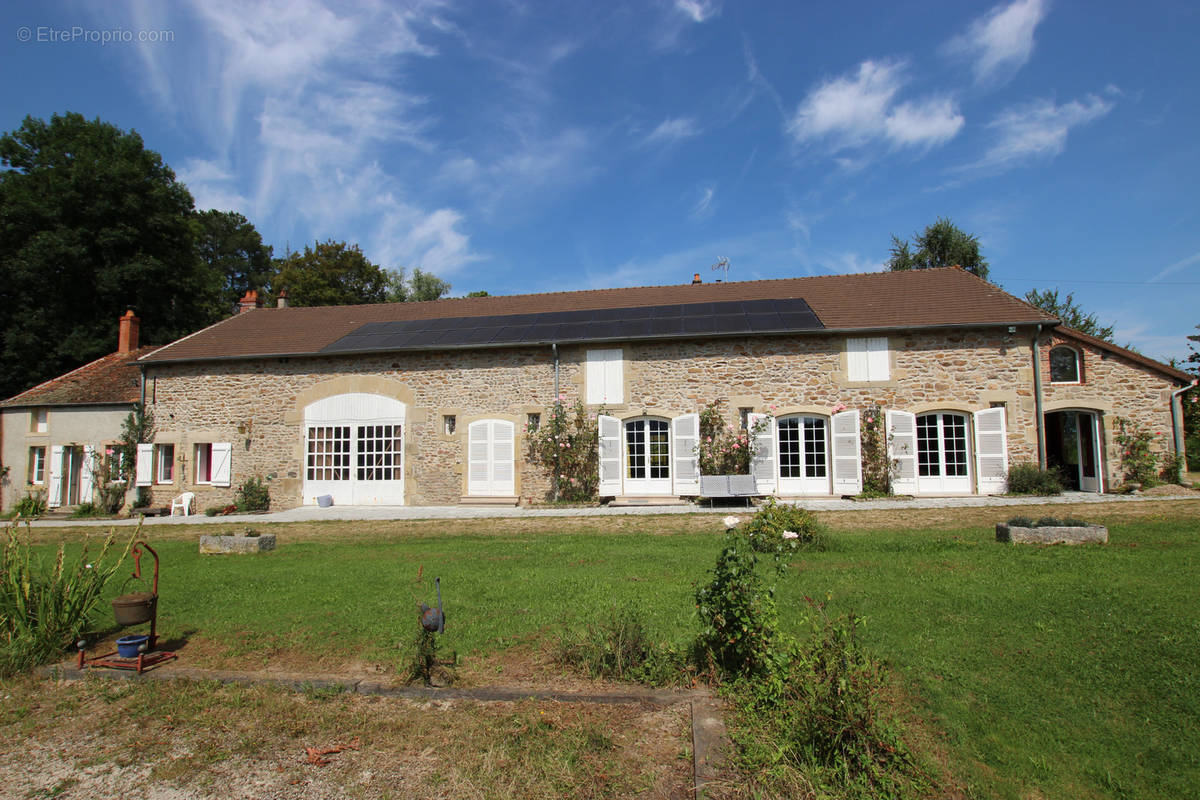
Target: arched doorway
[
  {"x": 354, "y": 450},
  {"x": 803, "y": 454},
  {"x": 647, "y": 443},
  {"x": 1073, "y": 447}
]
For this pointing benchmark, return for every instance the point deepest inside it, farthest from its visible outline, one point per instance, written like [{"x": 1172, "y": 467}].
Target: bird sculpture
[{"x": 432, "y": 619}]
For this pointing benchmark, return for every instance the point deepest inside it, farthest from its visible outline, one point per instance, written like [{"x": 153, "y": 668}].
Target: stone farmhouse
[
  {"x": 54, "y": 436},
  {"x": 428, "y": 403}
]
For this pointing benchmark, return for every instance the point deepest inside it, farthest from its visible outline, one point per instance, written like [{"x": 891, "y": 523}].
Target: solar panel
[{"x": 673, "y": 320}]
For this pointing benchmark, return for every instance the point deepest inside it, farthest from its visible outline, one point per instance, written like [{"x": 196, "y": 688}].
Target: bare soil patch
[{"x": 168, "y": 740}]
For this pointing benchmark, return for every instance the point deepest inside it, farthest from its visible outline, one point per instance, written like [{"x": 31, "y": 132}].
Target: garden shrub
[
  {"x": 1048, "y": 522},
  {"x": 739, "y": 623},
  {"x": 1074, "y": 522},
  {"x": 1029, "y": 478},
  {"x": 1022, "y": 522},
  {"x": 1173, "y": 467},
  {"x": 44, "y": 609},
  {"x": 1139, "y": 462},
  {"x": 877, "y": 466},
  {"x": 88, "y": 510},
  {"x": 770, "y": 528},
  {"x": 565, "y": 445},
  {"x": 723, "y": 450},
  {"x": 31, "y": 506},
  {"x": 825, "y": 718},
  {"x": 253, "y": 495},
  {"x": 619, "y": 646}
]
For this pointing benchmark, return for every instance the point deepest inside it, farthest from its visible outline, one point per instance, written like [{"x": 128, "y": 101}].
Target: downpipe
[
  {"x": 1177, "y": 422},
  {"x": 1037, "y": 398}
]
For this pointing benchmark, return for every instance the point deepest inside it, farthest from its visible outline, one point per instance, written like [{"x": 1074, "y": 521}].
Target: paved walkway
[{"x": 316, "y": 514}]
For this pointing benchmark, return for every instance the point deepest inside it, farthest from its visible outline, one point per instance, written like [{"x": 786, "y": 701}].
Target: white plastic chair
[{"x": 183, "y": 503}]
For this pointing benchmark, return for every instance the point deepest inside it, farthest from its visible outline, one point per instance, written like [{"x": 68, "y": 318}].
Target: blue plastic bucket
[{"x": 127, "y": 646}]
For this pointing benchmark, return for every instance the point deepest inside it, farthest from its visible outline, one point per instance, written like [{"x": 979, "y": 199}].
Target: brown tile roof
[
  {"x": 1137, "y": 358},
  {"x": 868, "y": 301},
  {"x": 113, "y": 379}
]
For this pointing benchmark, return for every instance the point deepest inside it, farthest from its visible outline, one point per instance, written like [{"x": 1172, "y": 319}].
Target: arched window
[{"x": 1064, "y": 365}]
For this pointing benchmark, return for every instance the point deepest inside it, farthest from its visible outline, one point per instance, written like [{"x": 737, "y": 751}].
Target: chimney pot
[
  {"x": 249, "y": 301},
  {"x": 282, "y": 300},
  {"x": 696, "y": 279},
  {"x": 127, "y": 332}
]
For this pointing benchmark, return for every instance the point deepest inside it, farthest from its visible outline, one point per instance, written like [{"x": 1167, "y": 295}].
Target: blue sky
[{"x": 523, "y": 147}]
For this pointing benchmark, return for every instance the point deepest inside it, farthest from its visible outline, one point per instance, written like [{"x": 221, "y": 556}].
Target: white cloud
[
  {"x": 854, "y": 110},
  {"x": 1171, "y": 269},
  {"x": 672, "y": 130},
  {"x": 925, "y": 124},
  {"x": 297, "y": 103},
  {"x": 848, "y": 262},
  {"x": 702, "y": 208},
  {"x": 1001, "y": 41},
  {"x": 1036, "y": 130},
  {"x": 698, "y": 10}
]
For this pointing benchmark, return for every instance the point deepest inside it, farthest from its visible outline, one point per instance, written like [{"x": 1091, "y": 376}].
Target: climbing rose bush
[
  {"x": 723, "y": 450},
  {"x": 566, "y": 447}
]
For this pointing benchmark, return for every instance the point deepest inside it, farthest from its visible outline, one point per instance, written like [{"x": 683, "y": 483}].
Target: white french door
[
  {"x": 647, "y": 445},
  {"x": 803, "y": 455},
  {"x": 942, "y": 456}
]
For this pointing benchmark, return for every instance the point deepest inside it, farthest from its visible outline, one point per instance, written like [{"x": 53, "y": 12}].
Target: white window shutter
[
  {"x": 902, "y": 451},
  {"x": 54, "y": 496},
  {"x": 478, "y": 451},
  {"x": 686, "y": 434},
  {"x": 614, "y": 377},
  {"x": 609, "y": 431},
  {"x": 858, "y": 367},
  {"x": 595, "y": 376},
  {"x": 991, "y": 451},
  {"x": 144, "y": 467},
  {"x": 878, "y": 364},
  {"x": 222, "y": 463},
  {"x": 847, "y": 454},
  {"x": 762, "y": 465},
  {"x": 503, "y": 452},
  {"x": 87, "y": 477}
]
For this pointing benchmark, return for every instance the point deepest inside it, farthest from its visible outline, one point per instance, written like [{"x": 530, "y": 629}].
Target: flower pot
[{"x": 128, "y": 646}]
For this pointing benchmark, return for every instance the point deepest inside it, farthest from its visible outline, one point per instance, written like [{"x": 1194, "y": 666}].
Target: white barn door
[
  {"x": 491, "y": 447},
  {"x": 354, "y": 450}
]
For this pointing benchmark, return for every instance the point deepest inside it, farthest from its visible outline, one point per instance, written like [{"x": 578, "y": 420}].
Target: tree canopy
[
  {"x": 336, "y": 273},
  {"x": 941, "y": 244},
  {"x": 234, "y": 251},
  {"x": 91, "y": 223},
  {"x": 1069, "y": 312}
]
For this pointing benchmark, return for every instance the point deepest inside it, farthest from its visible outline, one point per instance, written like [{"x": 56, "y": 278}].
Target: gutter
[
  {"x": 1177, "y": 420},
  {"x": 1037, "y": 399}
]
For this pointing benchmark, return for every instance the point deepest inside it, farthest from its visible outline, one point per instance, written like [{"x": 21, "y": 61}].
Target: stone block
[
  {"x": 1051, "y": 534},
  {"x": 216, "y": 545}
]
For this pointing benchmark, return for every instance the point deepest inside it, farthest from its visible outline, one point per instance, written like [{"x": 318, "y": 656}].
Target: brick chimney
[
  {"x": 127, "y": 337},
  {"x": 696, "y": 278},
  {"x": 249, "y": 302},
  {"x": 281, "y": 300}
]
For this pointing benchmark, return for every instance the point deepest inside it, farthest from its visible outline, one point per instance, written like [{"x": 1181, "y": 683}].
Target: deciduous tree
[
  {"x": 941, "y": 244},
  {"x": 1069, "y": 312}
]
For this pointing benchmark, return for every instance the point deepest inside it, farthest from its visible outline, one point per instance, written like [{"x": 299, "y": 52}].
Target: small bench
[{"x": 721, "y": 486}]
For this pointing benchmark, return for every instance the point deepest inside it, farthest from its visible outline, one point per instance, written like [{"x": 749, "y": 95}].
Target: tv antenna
[{"x": 724, "y": 265}]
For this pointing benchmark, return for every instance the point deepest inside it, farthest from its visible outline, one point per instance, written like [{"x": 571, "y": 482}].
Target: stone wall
[
  {"x": 258, "y": 405},
  {"x": 1113, "y": 386}
]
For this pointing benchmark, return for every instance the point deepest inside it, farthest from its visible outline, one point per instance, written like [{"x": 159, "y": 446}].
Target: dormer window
[{"x": 1064, "y": 365}]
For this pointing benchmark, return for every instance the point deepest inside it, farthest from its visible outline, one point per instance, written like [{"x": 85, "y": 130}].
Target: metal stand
[{"x": 147, "y": 658}]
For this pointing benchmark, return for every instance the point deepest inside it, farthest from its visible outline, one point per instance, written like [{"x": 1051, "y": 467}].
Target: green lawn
[{"x": 1042, "y": 671}]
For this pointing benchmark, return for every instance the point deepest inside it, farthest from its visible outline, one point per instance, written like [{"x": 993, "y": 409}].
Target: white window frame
[
  {"x": 1078, "y": 365},
  {"x": 202, "y": 458},
  {"x": 941, "y": 483},
  {"x": 649, "y": 451},
  {"x": 39, "y": 420},
  {"x": 868, "y": 359},
  {"x": 37, "y": 465},
  {"x": 164, "y": 464},
  {"x": 605, "y": 375}
]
